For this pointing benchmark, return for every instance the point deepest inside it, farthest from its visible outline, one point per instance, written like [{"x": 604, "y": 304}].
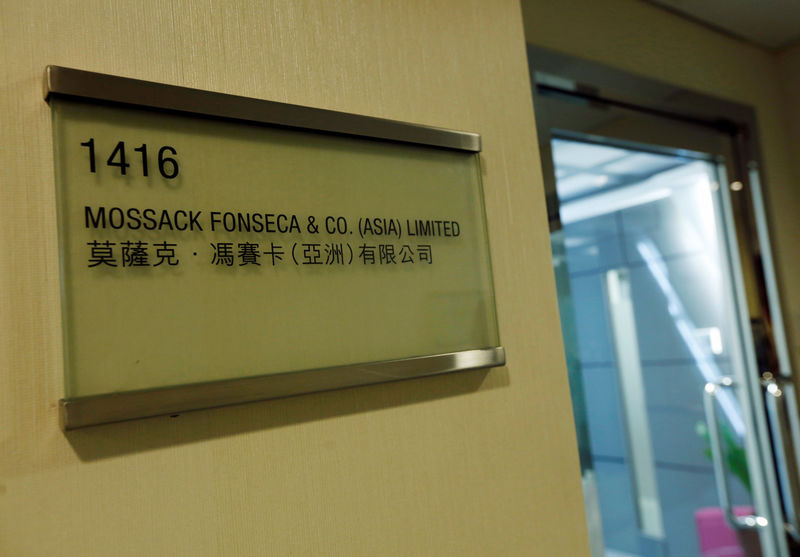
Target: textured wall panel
[{"x": 479, "y": 463}]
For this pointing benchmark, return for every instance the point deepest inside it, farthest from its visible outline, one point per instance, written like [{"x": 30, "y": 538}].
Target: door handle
[
  {"x": 777, "y": 392},
  {"x": 749, "y": 522}
]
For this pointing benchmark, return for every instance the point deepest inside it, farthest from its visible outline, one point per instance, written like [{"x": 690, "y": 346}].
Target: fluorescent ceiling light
[
  {"x": 615, "y": 200},
  {"x": 578, "y": 155}
]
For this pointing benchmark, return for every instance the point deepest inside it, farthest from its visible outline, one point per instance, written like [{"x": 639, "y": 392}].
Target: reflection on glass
[{"x": 644, "y": 277}]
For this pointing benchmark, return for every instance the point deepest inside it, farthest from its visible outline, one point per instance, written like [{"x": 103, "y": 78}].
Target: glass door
[
  {"x": 658, "y": 310},
  {"x": 646, "y": 270}
]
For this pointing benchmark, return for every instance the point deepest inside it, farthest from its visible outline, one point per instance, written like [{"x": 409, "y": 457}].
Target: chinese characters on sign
[
  {"x": 230, "y": 254},
  {"x": 131, "y": 254}
]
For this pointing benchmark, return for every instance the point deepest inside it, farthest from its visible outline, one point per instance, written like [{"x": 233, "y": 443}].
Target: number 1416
[{"x": 167, "y": 165}]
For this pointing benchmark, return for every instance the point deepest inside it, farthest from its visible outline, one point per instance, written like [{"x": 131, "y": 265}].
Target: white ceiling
[{"x": 769, "y": 23}]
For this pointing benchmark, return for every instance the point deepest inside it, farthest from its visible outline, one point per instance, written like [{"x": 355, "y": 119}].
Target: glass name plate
[{"x": 217, "y": 249}]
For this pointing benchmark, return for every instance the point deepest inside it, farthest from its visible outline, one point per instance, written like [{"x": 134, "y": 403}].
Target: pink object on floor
[{"x": 715, "y": 536}]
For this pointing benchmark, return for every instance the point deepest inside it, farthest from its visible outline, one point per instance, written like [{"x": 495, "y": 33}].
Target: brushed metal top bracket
[{"x": 109, "y": 88}]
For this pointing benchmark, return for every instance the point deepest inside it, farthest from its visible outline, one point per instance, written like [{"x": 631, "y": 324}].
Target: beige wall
[
  {"x": 638, "y": 37},
  {"x": 468, "y": 464},
  {"x": 789, "y": 67}
]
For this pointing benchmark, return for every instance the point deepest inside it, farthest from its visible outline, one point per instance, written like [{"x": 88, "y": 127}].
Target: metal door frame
[{"x": 555, "y": 74}]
